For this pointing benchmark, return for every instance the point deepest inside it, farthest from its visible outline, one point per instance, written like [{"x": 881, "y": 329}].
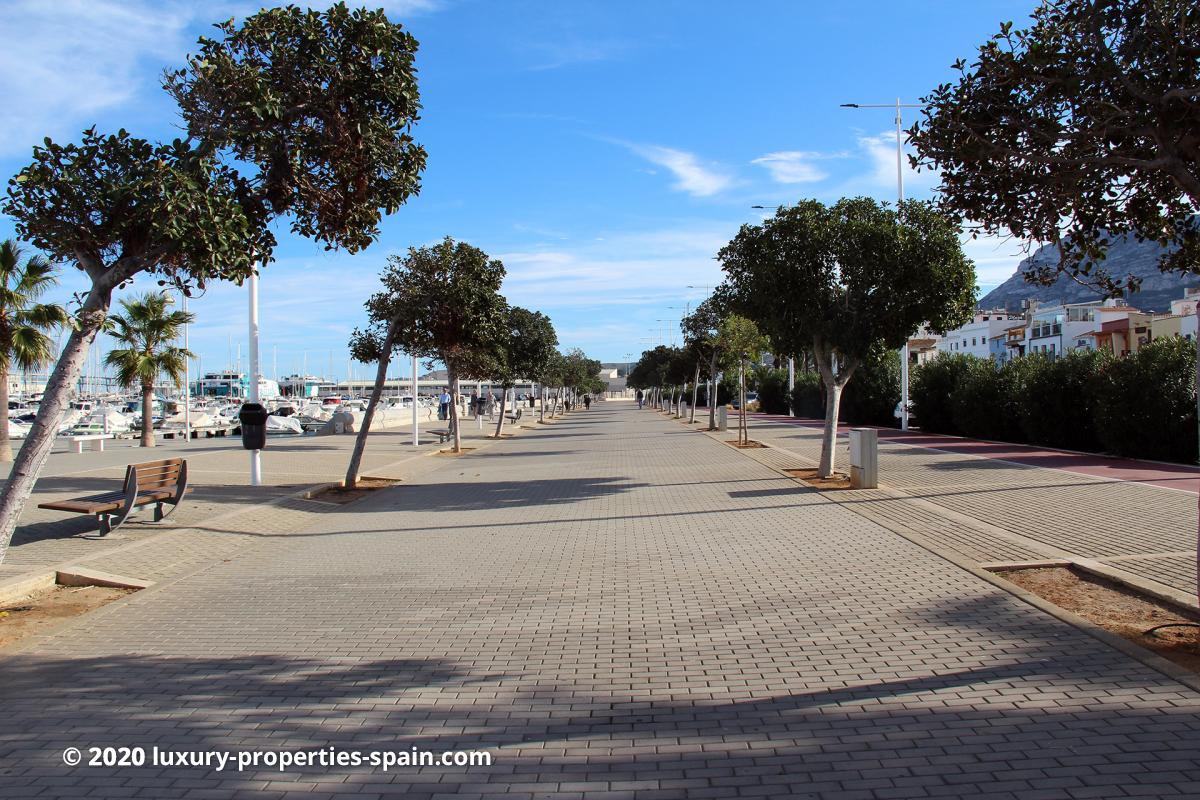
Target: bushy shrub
[
  {"x": 871, "y": 396},
  {"x": 986, "y": 403},
  {"x": 772, "y": 390},
  {"x": 1146, "y": 402},
  {"x": 1058, "y": 405},
  {"x": 808, "y": 396},
  {"x": 931, "y": 386}
]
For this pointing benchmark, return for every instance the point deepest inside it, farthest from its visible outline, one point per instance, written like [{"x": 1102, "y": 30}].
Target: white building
[{"x": 982, "y": 337}]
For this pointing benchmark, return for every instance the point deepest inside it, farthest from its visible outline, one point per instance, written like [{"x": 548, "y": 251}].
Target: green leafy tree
[
  {"x": 24, "y": 322},
  {"x": 296, "y": 114},
  {"x": 147, "y": 333},
  {"x": 441, "y": 303},
  {"x": 701, "y": 336},
  {"x": 1076, "y": 129},
  {"x": 549, "y": 376},
  {"x": 524, "y": 349},
  {"x": 742, "y": 342},
  {"x": 844, "y": 278}
]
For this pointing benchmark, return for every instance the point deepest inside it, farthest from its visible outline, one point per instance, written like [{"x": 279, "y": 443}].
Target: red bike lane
[{"x": 1180, "y": 477}]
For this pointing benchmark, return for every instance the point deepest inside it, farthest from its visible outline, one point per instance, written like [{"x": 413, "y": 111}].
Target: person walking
[
  {"x": 587, "y": 402},
  {"x": 640, "y": 398},
  {"x": 444, "y": 404}
]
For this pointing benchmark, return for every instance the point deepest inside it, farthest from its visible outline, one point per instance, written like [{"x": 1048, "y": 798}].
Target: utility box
[
  {"x": 722, "y": 418},
  {"x": 864, "y": 458}
]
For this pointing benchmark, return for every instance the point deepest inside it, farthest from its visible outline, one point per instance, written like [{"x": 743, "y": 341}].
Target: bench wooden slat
[
  {"x": 159, "y": 482},
  {"x": 85, "y": 505}
]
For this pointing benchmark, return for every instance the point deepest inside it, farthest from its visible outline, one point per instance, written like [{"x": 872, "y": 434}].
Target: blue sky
[{"x": 603, "y": 150}]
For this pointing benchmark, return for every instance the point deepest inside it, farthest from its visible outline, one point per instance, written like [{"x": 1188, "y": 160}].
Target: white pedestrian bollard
[{"x": 864, "y": 458}]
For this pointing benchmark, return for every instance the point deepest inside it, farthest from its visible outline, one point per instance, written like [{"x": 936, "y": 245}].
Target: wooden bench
[
  {"x": 513, "y": 418},
  {"x": 158, "y": 482},
  {"x": 96, "y": 440}
]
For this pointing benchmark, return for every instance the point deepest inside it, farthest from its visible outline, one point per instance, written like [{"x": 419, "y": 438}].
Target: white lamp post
[
  {"x": 900, "y": 197},
  {"x": 255, "y": 455}
]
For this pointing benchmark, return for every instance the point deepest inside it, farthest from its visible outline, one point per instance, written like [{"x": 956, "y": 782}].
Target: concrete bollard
[
  {"x": 864, "y": 458},
  {"x": 722, "y": 418}
]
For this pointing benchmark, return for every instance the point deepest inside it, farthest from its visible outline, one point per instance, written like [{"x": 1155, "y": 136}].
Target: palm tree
[
  {"x": 23, "y": 322},
  {"x": 148, "y": 331}
]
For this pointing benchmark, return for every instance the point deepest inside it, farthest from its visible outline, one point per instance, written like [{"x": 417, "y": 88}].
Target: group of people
[{"x": 481, "y": 404}]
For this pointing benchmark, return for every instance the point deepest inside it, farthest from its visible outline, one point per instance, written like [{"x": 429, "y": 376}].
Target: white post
[
  {"x": 255, "y": 455},
  {"x": 791, "y": 382},
  {"x": 900, "y": 198},
  {"x": 187, "y": 382},
  {"x": 416, "y": 436}
]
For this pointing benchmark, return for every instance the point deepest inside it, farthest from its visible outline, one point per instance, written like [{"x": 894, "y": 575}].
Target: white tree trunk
[
  {"x": 503, "y": 401},
  {"x": 454, "y": 411},
  {"x": 35, "y": 449},
  {"x": 743, "y": 431},
  {"x": 712, "y": 399},
  {"x": 5, "y": 443},
  {"x": 834, "y": 384},
  {"x": 360, "y": 438},
  {"x": 695, "y": 395}
]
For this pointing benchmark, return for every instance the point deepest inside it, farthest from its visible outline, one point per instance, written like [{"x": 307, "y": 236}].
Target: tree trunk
[
  {"x": 360, "y": 438},
  {"x": 454, "y": 410},
  {"x": 834, "y": 384},
  {"x": 5, "y": 442},
  {"x": 743, "y": 432},
  {"x": 712, "y": 396},
  {"x": 1198, "y": 436},
  {"x": 542, "y": 404},
  {"x": 40, "y": 440},
  {"x": 695, "y": 395},
  {"x": 503, "y": 401},
  {"x": 833, "y": 399},
  {"x": 148, "y": 415}
]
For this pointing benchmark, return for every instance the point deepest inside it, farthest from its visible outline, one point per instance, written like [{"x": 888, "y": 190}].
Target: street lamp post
[
  {"x": 255, "y": 455},
  {"x": 900, "y": 198}
]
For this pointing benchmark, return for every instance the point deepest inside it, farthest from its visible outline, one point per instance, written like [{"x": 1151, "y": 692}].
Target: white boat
[
  {"x": 102, "y": 420},
  {"x": 283, "y": 425},
  {"x": 177, "y": 421}
]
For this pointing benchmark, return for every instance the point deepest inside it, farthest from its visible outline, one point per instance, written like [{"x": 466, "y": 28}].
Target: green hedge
[
  {"x": 871, "y": 396},
  {"x": 1059, "y": 404},
  {"x": 1146, "y": 402},
  {"x": 772, "y": 391},
  {"x": 808, "y": 396},
  {"x": 1140, "y": 405},
  {"x": 931, "y": 385},
  {"x": 987, "y": 401}
]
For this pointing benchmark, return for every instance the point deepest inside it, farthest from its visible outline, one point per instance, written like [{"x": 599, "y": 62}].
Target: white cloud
[
  {"x": 553, "y": 55},
  {"x": 996, "y": 257},
  {"x": 795, "y": 166},
  {"x": 65, "y": 62},
  {"x": 880, "y": 151},
  {"x": 698, "y": 180}
]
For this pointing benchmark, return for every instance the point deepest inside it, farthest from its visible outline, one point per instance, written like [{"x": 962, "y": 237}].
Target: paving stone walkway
[
  {"x": 613, "y": 607},
  {"x": 996, "y": 510}
]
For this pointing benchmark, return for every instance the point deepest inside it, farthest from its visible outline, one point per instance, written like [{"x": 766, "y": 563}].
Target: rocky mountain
[{"x": 1126, "y": 256}]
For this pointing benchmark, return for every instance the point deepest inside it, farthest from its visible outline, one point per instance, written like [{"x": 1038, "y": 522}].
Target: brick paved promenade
[
  {"x": 615, "y": 607},
  {"x": 993, "y": 502}
]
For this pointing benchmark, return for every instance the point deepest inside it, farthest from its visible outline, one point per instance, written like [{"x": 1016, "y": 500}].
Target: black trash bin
[{"x": 253, "y": 417}]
